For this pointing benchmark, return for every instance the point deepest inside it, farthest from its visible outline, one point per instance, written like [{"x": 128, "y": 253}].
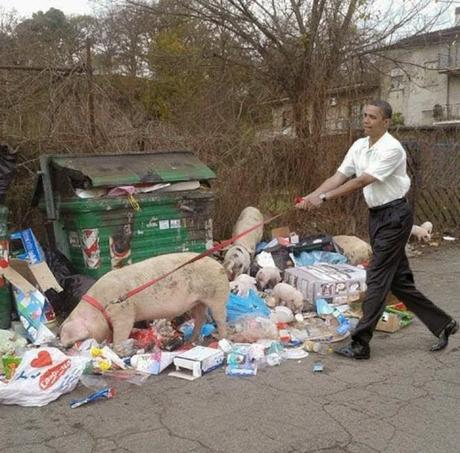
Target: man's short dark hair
[{"x": 384, "y": 106}]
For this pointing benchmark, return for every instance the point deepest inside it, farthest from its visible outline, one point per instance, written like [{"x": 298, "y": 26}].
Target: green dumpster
[
  {"x": 5, "y": 294},
  {"x": 170, "y": 211}
]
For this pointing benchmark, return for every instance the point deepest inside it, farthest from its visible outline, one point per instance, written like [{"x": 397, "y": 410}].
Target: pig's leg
[
  {"x": 199, "y": 315},
  {"x": 219, "y": 313},
  {"x": 122, "y": 316}
]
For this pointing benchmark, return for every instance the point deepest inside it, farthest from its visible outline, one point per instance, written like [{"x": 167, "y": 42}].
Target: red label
[{"x": 51, "y": 376}]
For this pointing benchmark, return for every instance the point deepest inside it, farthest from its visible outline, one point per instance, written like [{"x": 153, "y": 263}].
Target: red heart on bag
[{"x": 43, "y": 359}]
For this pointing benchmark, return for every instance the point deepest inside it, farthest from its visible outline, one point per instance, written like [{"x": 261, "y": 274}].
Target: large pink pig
[{"x": 197, "y": 286}]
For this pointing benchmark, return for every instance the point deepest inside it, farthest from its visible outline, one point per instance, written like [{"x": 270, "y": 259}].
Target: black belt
[{"x": 390, "y": 204}]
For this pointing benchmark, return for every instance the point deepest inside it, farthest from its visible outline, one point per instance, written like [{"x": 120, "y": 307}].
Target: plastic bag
[
  {"x": 253, "y": 304},
  {"x": 310, "y": 258},
  {"x": 74, "y": 284},
  {"x": 249, "y": 329},
  {"x": 43, "y": 376},
  {"x": 187, "y": 329}
]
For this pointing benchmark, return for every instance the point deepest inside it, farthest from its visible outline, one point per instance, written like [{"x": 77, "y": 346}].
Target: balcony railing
[
  {"x": 447, "y": 112},
  {"x": 449, "y": 61}
]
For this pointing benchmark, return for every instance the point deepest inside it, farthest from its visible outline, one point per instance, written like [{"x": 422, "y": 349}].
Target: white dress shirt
[{"x": 385, "y": 160}]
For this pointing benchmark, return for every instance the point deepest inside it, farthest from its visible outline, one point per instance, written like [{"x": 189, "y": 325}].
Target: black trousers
[{"x": 389, "y": 230}]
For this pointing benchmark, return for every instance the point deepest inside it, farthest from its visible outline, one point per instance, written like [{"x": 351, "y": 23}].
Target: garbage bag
[
  {"x": 310, "y": 258},
  {"x": 74, "y": 287},
  {"x": 73, "y": 284},
  {"x": 282, "y": 254},
  {"x": 43, "y": 375},
  {"x": 252, "y": 304},
  {"x": 59, "y": 265},
  {"x": 7, "y": 169}
]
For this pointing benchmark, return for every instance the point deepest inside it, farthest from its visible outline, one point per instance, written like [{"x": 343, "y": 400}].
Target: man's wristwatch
[{"x": 322, "y": 197}]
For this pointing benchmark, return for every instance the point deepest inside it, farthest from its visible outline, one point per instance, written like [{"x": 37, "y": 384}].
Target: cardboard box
[
  {"x": 197, "y": 361},
  {"x": 38, "y": 274},
  {"x": 30, "y": 302},
  {"x": 389, "y": 322},
  {"x": 328, "y": 281}
]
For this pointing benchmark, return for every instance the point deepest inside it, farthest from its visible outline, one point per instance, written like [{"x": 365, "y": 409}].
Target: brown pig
[{"x": 197, "y": 286}]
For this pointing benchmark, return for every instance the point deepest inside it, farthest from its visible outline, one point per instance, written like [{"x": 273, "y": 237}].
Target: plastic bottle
[
  {"x": 148, "y": 363},
  {"x": 318, "y": 347},
  {"x": 344, "y": 325}
]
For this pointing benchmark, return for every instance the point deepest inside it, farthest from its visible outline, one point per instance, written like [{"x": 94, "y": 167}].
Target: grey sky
[{"x": 27, "y": 7}]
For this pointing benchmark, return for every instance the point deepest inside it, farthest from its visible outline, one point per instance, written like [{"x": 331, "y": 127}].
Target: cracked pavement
[{"x": 405, "y": 399}]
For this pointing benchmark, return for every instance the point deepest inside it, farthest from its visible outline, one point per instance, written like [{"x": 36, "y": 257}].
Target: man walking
[{"x": 379, "y": 163}]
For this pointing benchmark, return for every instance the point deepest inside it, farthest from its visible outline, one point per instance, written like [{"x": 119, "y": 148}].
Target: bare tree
[{"x": 302, "y": 47}]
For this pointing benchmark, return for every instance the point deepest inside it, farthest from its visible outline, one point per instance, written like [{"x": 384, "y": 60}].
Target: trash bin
[
  {"x": 170, "y": 210},
  {"x": 5, "y": 293}
]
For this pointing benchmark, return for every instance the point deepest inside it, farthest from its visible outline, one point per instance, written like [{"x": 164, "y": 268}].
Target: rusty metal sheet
[{"x": 126, "y": 169}]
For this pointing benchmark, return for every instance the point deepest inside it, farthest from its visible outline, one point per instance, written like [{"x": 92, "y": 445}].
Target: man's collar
[{"x": 378, "y": 143}]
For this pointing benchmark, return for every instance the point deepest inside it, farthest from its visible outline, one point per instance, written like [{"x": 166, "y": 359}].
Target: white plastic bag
[{"x": 43, "y": 375}]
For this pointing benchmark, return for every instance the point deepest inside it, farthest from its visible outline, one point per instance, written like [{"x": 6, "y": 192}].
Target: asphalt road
[{"x": 405, "y": 399}]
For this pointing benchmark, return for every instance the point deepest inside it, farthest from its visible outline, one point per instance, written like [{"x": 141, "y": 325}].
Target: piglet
[
  {"x": 242, "y": 284},
  {"x": 197, "y": 286},
  {"x": 268, "y": 277},
  {"x": 420, "y": 233},
  {"x": 287, "y": 295},
  {"x": 428, "y": 226}
]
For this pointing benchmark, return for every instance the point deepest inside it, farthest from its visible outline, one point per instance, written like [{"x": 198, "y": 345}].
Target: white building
[{"x": 421, "y": 81}]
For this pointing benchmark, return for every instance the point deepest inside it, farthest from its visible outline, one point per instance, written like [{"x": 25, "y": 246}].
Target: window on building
[
  {"x": 397, "y": 79},
  {"x": 431, "y": 73}
]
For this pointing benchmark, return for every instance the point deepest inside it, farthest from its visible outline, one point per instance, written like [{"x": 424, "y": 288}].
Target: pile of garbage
[{"x": 288, "y": 298}]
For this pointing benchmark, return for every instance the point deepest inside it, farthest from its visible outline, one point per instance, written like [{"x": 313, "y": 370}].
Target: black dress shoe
[
  {"x": 355, "y": 351},
  {"x": 449, "y": 330}
]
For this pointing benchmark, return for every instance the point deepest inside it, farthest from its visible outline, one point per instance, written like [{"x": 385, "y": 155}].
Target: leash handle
[{"x": 298, "y": 199}]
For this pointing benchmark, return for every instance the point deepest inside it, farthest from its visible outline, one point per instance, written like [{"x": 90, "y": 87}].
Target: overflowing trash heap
[{"x": 290, "y": 297}]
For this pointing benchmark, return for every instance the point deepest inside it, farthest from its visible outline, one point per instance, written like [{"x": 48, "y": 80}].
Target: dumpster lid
[{"x": 134, "y": 168}]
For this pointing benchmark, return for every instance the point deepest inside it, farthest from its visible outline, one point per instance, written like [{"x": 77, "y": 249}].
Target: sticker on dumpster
[
  {"x": 164, "y": 224},
  {"x": 175, "y": 223},
  {"x": 74, "y": 240},
  {"x": 153, "y": 223},
  {"x": 120, "y": 245},
  {"x": 91, "y": 248}
]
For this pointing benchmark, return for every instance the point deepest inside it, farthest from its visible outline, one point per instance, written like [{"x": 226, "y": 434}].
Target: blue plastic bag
[
  {"x": 310, "y": 258},
  {"x": 252, "y": 304},
  {"x": 187, "y": 329}
]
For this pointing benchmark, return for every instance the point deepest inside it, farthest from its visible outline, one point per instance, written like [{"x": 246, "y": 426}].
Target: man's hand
[{"x": 310, "y": 201}]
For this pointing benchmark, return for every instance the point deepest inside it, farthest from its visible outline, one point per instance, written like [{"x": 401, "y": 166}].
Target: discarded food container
[
  {"x": 197, "y": 361},
  {"x": 163, "y": 204},
  {"x": 334, "y": 281}
]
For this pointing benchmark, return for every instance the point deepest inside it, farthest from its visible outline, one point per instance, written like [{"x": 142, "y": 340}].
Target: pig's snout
[{"x": 71, "y": 332}]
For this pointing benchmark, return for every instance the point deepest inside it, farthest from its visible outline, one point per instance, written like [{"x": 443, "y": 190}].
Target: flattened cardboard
[
  {"x": 37, "y": 274},
  {"x": 389, "y": 322}
]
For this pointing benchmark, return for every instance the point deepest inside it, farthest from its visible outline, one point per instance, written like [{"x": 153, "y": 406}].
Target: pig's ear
[{"x": 228, "y": 266}]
